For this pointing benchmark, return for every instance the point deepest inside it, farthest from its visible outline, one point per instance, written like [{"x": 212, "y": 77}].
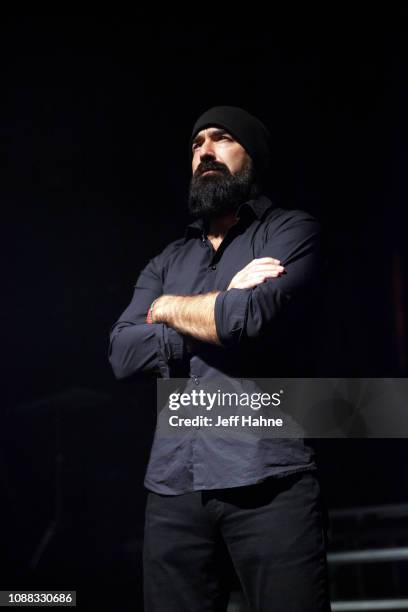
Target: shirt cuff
[
  {"x": 175, "y": 344},
  {"x": 171, "y": 352},
  {"x": 230, "y": 313}
]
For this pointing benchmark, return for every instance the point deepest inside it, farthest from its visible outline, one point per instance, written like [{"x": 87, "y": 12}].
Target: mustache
[{"x": 210, "y": 165}]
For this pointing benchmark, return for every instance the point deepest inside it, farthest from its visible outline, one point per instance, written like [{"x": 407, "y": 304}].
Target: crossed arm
[
  {"x": 246, "y": 310},
  {"x": 193, "y": 315}
]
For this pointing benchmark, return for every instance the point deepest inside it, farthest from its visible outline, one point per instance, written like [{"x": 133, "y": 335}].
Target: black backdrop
[{"x": 96, "y": 116}]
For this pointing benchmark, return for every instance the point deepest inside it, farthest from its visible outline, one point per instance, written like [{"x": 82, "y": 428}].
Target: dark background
[{"x": 96, "y": 113}]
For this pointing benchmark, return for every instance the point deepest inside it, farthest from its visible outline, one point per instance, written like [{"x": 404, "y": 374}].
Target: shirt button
[{"x": 213, "y": 267}]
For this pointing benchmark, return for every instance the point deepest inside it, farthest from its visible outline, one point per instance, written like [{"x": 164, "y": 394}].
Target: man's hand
[{"x": 256, "y": 272}]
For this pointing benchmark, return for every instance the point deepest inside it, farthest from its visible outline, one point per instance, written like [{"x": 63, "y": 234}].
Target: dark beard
[{"x": 219, "y": 192}]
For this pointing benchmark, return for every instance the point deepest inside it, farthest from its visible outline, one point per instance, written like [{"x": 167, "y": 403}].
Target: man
[{"x": 234, "y": 297}]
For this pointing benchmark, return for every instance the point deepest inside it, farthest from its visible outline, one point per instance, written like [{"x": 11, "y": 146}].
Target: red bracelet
[{"x": 149, "y": 316}]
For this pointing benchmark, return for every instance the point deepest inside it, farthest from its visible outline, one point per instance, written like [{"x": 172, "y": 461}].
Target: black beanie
[{"x": 249, "y": 131}]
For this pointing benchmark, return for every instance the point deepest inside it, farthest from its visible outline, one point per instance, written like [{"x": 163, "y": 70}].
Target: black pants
[{"x": 273, "y": 532}]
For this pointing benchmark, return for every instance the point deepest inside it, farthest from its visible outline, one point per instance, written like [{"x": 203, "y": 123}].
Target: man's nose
[{"x": 207, "y": 149}]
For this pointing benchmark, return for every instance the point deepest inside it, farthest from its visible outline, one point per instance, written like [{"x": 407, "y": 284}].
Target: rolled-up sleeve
[
  {"x": 250, "y": 313},
  {"x": 138, "y": 347}
]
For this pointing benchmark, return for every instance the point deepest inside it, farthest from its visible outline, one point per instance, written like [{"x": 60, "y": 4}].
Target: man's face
[
  {"x": 222, "y": 173},
  {"x": 218, "y": 146}
]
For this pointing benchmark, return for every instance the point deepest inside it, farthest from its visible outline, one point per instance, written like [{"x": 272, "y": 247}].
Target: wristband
[{"x": 149, "y": 317}]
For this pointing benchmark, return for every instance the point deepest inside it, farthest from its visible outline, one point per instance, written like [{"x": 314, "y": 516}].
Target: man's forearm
[{"x": 192, "y": 315}]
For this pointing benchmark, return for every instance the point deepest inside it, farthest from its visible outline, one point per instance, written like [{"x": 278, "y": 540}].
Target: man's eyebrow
[
  {"x": 218, "y": 131},
  {"x": 215, "y": 132}
]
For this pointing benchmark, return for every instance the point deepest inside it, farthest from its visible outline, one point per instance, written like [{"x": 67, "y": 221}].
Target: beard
[{"x": 219, "y": 192}]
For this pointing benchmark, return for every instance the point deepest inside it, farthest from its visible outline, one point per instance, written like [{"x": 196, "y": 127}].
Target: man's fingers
[
  {"x": 252, "y": 280},
  {"x": 257, "y": 274},
  {"x": 264, "y": 260},
  {"x": 262, "y": 263},
  {"x": 260, "y": 278},
  {"x": 265, "y": 269},
  {"x": 276, "y": 272}
]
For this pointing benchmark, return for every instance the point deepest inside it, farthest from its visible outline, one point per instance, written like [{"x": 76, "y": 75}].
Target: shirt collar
[{"x": 258, "y": 206}]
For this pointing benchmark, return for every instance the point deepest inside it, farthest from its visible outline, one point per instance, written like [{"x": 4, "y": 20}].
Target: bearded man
[{"x": 233, "y": 297}]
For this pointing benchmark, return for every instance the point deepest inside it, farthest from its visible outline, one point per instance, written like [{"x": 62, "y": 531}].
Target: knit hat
[{"x": 249, "y": 131}]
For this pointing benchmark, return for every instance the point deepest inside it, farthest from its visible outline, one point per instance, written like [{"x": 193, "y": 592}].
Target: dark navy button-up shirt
[{"x": 265, "y": 332}]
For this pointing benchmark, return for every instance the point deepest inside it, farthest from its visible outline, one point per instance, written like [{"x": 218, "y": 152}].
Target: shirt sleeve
[
  {"x": 139, "y": 347},
  {"x": 251, "y": 313}
]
